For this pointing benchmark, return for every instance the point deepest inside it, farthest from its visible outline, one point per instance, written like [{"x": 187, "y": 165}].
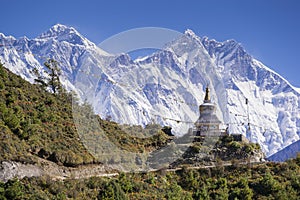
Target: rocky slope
[{"x": 11, "y": 169}]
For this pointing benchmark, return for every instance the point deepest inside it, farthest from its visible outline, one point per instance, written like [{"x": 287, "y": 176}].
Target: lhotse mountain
[{"x": 167, "y": 86}]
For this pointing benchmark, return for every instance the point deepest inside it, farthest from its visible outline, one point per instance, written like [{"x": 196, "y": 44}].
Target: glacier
[{"x": 167, "y": 86}]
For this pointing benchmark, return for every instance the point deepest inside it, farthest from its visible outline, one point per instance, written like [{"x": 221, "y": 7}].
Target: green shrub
[
  {"x": 234, "y": 145},
  {"x": 113, "y": 191}
]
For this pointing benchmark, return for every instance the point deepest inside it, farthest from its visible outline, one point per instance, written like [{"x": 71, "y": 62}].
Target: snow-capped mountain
[
  {"x": 286, "y": 153},
  {"x": 273, "y": 104},
  {"x": 168, "y": 86}
]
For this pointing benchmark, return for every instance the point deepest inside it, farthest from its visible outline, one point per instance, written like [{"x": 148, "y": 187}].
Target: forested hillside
[{"x": 35, "y": 122}]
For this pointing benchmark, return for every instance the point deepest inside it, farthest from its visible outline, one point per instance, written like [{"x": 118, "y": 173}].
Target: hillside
[
  {"x": 265, "y": 181},
  {"x": 36, "y": 124}
]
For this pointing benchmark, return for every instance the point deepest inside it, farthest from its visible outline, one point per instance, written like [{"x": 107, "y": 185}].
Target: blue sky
[{"x": 268, "y": 29}]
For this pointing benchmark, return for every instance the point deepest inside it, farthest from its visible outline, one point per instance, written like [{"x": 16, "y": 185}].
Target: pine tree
[
  {"x": 39, "y": 78},
  {"x": 52, "y": 81},
  {"x": 54, "y": 72}
]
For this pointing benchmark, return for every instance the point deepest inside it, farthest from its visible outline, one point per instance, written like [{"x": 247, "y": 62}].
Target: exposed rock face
[{"x": 11, "y": 169}]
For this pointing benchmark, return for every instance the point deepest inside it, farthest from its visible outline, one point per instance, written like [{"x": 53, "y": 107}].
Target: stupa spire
[{"x": 207, "y": 95}]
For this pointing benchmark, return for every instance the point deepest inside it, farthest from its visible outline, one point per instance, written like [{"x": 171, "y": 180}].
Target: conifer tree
[
  {"x": 54, "y": 72},
  {"x": 39, "y": 78},
  {"x": 52, "y": 81}
]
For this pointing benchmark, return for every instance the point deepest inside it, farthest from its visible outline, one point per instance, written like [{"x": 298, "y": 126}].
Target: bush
[
  {"x": 248, "y": 148},
  {"x": 112, "y": 190},
  {"x": 234, "y": 145},
  {"x": 14, "y": 189}
]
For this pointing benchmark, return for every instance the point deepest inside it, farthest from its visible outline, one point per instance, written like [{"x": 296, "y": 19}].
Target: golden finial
[{"x": 207, "y": 95}]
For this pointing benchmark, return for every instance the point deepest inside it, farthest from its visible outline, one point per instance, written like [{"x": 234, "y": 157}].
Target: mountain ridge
[
  {"x": 169, "y": 84},
  {"x": 288, "y": 152}
]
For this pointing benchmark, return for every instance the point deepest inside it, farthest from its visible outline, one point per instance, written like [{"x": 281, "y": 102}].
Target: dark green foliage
[
  {"x": 39, "y": 78},
  {"x": 264, "y": 181},
  {"x": 134, "y": 138},
  {"x": 32, "y": 119},
  {"x": 241, "y": 190},
  {"x": 167, "y": 130},
  {"x": 112, "y": 191},
  {"x": 125, "y": 183},
  {"x": 54, "y": 72},
  {"x": 34, "y": 122},
  {"x": 205, "y": 150},
  {"x": 52, "y": 81},
  {"x": 14, "y": 189}
]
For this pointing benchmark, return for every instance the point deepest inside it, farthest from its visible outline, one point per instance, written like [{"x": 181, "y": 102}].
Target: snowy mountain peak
[
  {"x": 4, "y": 37},
  {"x": 65, "y": 33},
  {"x": 226, "y": 52},
  {"x": 61, "y": 27},
  {"x": 228, "y": 44},
  {"x": 58, "y": 30},
  {"x": 190, "y": 34}
]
